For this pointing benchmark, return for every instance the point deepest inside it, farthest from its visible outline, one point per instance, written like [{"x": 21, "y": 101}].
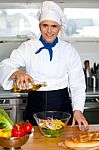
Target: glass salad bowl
[{"x": 52, "y": 123}]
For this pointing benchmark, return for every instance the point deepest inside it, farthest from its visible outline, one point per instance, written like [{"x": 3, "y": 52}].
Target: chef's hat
[{"x": 51, "y": 11}]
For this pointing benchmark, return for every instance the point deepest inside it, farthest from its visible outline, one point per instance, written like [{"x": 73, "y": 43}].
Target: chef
[{"x": 51, "y": 60}]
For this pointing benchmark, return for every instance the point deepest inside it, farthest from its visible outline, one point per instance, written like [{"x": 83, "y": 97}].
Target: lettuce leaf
[{"x": 5, "y": 120}]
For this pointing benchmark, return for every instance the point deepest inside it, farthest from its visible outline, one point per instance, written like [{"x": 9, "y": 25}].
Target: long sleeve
[
  {"x": 77, "y": 82},
  {"x": 9, "y": 66}
]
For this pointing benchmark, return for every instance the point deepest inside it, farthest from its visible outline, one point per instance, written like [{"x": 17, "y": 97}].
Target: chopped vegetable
[
  {"x": 52, "y": 133},
  {"x": 5, "y": 121},
  {"x": 51, "y": 127}
]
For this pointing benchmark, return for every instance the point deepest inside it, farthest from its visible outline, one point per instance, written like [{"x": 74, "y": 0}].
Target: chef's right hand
[{"x": 22, "y": 79}]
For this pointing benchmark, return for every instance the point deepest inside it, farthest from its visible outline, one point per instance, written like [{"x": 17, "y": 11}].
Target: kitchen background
[{"x": 18, "y": 23}]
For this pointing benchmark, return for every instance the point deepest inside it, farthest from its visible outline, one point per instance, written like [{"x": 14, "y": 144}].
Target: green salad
[{"x": 51, "y": 127}]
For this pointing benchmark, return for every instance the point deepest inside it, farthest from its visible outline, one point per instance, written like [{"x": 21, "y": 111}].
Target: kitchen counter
[
  {"x": 11, "y": 94},
  {"x": 39, "y": 142},
  {"x": 90, "y": 92}
]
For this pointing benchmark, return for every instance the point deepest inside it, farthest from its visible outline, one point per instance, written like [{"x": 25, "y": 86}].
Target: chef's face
[{"x": 49, "y": 30}]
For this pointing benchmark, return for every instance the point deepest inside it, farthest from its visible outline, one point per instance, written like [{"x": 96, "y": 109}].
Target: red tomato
[
  {"x": 27, "y": 127},
  {"x": 18, "y": 130}
]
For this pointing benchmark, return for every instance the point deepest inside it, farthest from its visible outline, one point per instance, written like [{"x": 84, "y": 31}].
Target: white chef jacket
[{"x": 65, "y": 69}]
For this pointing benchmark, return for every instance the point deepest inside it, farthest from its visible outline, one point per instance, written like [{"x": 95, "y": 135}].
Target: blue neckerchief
[{"x": 47, "y": 46}]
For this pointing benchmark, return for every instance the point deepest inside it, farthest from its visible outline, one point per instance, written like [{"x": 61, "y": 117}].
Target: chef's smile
[{"x": 49, "y": 30}]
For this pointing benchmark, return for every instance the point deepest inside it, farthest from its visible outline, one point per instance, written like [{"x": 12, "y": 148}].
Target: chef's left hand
[{"x": 80, "y": 119}]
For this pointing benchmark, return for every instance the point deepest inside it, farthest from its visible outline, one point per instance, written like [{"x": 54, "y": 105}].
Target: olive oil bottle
[{"x": 32, "y": 87}]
